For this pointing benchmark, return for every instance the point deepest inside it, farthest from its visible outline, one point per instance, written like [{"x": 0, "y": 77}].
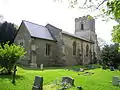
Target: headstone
[
  {"x": 112, "y": 68},
  {"x": 81, "y": 69},
  {"x": 115, "y": 80},
  {"x": 69, "y": 80},
  {"x": 76, "y": 69},
  {"x": 79, "y": 88},
  {"x": 38, "y": 83},
  {"x": 41, "y": 66}
]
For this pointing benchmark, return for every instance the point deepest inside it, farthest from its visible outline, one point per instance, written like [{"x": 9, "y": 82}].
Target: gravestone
[
  {"x": 79, "y": 88},
  {"x": 76, "y": 69},
  {"x": 38, "y": 83},
  {"x": 81, "y": 70},
  {"x": 68, "y": 80},
  {"x": 41, "y": 66},
  {"x": 115, "y": 80},
  {"x": 112, "y": 68}
]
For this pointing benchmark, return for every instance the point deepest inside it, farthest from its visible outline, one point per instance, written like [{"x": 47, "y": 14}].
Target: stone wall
[
  {"x": 61, "y": 51},
  {"x": 23, "y": 37},
  {"x": 39, "y": 52},
  {"x": 57, "y": 35},
  {"x": 80, "y": 57},
  {"x": 88, "y": 32}
]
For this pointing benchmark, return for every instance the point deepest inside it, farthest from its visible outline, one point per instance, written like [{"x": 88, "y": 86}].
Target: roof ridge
[
  {"x": 53, "y": 26},
  {"x": 33, "y": 23}
]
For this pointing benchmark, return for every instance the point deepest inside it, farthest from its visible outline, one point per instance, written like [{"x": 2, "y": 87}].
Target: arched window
[
  {"x": 82, "y": 26},
  {"x": 74, "y": 48},
  {"x": 87, "y": 50}
]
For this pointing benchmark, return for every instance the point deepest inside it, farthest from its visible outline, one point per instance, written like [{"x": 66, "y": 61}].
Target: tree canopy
[
  {"x": 114, "y": 12},
  {"x": 113, "y": 9},
  {"x": 7, "y": 32},
  {"x": 109, "y": 54},
  {"x": 116, "y": 34}
]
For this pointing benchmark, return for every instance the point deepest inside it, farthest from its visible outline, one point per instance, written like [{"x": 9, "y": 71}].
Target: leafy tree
[
  {"x": 7, "y": 32},
  {"x": 113, "y": 9},
  {"x": 109, "y": 53},
  {"x": 116, "y": 34},
  {"x": 9, "y": 55},
  {"x": 85, "y": 4}
]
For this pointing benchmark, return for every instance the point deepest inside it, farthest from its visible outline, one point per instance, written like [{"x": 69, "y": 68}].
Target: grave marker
[{"x": 38, "y": 83}]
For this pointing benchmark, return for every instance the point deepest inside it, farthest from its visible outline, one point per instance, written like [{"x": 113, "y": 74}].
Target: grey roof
[
  {"x": 42, "y": 32},
  {"x": 38, "y": 31},
  {"x": 75, "y": 36}
]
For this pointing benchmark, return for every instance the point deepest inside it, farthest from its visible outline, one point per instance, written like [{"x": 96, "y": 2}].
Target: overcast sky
[{"x": 47, "y": 11}]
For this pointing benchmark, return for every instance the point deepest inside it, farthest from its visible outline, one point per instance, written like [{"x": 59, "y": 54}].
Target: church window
[
  {"x": 74, "y": 48},
  {"x": 48, "y": 49},
  {"x": 82, "y": 26},
  {"x": 87, "y": 50},
  {"x": 21, "y": 42}
]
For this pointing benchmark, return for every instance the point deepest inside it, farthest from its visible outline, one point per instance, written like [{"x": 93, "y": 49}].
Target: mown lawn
[{"x": 100, "y": 80}]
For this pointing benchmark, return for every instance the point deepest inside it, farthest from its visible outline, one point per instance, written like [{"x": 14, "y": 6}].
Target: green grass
[{"x": 100, "y": 80}]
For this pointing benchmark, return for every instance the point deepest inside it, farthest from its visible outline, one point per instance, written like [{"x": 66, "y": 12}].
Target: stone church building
[{"x": 51, "y": 46}]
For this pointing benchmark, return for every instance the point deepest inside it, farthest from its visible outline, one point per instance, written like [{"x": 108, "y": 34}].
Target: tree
[
  {"x": 116, "y": 34},
  {"x": 85, "y": 4},
  {"x": 9, "y": 55},
  {"x": 114, "y": 11},
  {"x": 109, "y": 53},
  {"x": 7, "y": 32}
]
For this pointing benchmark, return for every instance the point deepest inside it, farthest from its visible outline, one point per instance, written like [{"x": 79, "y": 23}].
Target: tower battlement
[
  {"x": 84, "y": 18},
  {"x": 84, "y": 23}
]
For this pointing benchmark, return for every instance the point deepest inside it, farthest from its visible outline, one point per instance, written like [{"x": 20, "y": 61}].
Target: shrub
[{"x": 9, "y": 55}]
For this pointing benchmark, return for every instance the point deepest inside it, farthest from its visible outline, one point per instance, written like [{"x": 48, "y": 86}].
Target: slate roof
[{"x": 38, "y": 31}]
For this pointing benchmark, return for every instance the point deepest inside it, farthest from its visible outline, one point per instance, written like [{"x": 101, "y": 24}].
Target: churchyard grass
[{"x": 100, "y": 80}]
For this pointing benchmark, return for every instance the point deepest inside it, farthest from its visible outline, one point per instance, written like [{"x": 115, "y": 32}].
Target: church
[{"x": 51, "y": 46}]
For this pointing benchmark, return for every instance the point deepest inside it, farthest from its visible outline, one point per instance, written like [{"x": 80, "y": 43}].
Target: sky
[{"x": 47, "y": 11}]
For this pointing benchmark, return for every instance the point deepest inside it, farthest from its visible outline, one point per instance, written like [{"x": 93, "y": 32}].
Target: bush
[
  {"x": 109, "y": 53},
  {"x": 119, "y": 67},
  {"x": 9, "y": 55}
]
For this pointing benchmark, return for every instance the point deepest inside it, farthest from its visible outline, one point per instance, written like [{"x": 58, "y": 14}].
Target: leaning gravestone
[
  {"x": 68, "y": 80},
  {"x": 115, "y": 80},
  {"x": 76, "y": 69},
  {"x": 38, "y": 83}
]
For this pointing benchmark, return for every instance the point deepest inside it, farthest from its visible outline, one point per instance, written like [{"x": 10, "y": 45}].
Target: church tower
[{"x": 85, "y": 27}]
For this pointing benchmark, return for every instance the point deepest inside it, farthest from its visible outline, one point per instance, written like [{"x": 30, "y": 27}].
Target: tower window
[
  {"x": 74, "y": 48},
  {"x": 82, "y": 26}
]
